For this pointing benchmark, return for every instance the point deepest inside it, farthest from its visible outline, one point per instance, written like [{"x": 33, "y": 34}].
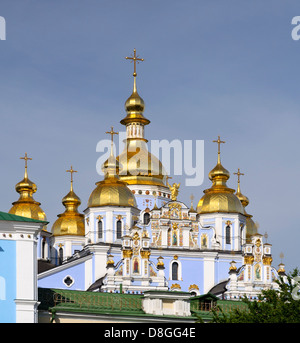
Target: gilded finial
[
  {"x": 134, "y": 105},
  {"x": 26, "y": 158},
  {"x": 135, "y": 59},
  {"x": 112, "y": 133},
  {"x": 71, "y": 171},
  {"x": 111, "y": 165},
  {"x": 243, "y": 199},
  {"x": 238, "y": 175},
  {"x": 219, "y": 145}
]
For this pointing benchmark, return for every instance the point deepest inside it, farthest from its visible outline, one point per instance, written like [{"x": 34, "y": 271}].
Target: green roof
[
  {"x": 14, "y": 218},
  {"x": 95, "y": 302}
]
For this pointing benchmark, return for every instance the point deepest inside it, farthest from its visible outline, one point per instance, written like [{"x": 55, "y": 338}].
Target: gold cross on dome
[
  {"x": 219, "y": 143},
  {"x": 26, "y": 158},
  {"x": 135, "y": 60},
  {"x": 238, "y": 174},
  {"x": 112, "y": 133},
  {"x": 71, "y": 171}
]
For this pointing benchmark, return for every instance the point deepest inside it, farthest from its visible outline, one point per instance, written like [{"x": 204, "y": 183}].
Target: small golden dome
[
  {"x": 135, "y": 106},
  {"x": 219, "y": 198},
  {"x": 251, "y": 227},
  {"x": 219, "y": 171},
  {"x": 111, "y": 191},
  {"x": 243, "y": 199},
  {"x": 26, "y": 206},
  {"x": 71, "y": 222}
]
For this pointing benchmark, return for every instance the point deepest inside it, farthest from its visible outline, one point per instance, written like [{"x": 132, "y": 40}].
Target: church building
[{"x": 135, "y": 235}]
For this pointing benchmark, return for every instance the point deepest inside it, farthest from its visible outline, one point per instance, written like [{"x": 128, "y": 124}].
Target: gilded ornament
[
  {"x": 258, "y": 242},
  {"x": 136, "y": 236},
  {"x": 175, "y": 286},
  {"x": 110, "y": 261},
  {"x": 267, "y": 260},
  {"x": 145, "y": 254},
  {"x": 193, "y": 287},
  {"x": 127, "y": 253},
  {"x": 248, "y": 259},
  {"x": 174, "y": 190}
]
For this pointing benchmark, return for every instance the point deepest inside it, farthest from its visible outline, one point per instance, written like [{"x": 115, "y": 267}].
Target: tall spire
[{"x": 134, "y": 105}]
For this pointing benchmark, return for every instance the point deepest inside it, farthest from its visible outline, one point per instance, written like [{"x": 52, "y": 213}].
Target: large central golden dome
[
  {"x": 137, "y": 164},
  {"x": 219, "y": 198}
]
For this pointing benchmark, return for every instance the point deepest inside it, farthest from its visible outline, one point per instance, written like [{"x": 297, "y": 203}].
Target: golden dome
[
  {"x": 135, "y": 106},
  {"x": 219, "y": 198},
  {"x": 71, "y": 222},
  {"x": 111, "y": 191},
  {"x": 139, "y": 166},
  {"x": 251, "y": 227},
  {"x": 26, "y": 206}
]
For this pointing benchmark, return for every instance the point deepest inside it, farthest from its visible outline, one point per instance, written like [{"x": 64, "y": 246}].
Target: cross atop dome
[
  {"x": 238, "y": 175},
  {"x": 26, "y": 158},
  {"x": 135, "y": 60},
  {"x": 71, "y": 171}
]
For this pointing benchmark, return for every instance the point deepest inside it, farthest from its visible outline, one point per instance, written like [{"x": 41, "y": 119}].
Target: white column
[
  {"x": 208, "y": 271},
  {"x": 109, "y": 227}
]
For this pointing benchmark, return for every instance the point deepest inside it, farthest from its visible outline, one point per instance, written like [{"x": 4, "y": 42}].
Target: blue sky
[{"x": 228, "y": 68}]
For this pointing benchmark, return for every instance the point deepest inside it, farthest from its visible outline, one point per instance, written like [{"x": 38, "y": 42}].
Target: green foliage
[{"x": 272, "y": 306}]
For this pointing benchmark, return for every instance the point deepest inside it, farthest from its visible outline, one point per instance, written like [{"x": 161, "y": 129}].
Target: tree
[{"x": 273, "y": 306}]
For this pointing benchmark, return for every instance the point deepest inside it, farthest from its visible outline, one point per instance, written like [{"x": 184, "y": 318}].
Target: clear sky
[{"x": 228, "y": 68}]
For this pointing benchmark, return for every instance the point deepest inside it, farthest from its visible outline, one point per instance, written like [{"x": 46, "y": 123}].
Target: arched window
[
  {"x": 60, "y": 255},
  {"x": 227, "y": 235},
  {"x": 119, "y": 229},
  {"x": 43, "y": 247},
  {"x": 146, "y": 218},
  {"x": 100, "y": 229},
  {"x": 174, "y": 271}
]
